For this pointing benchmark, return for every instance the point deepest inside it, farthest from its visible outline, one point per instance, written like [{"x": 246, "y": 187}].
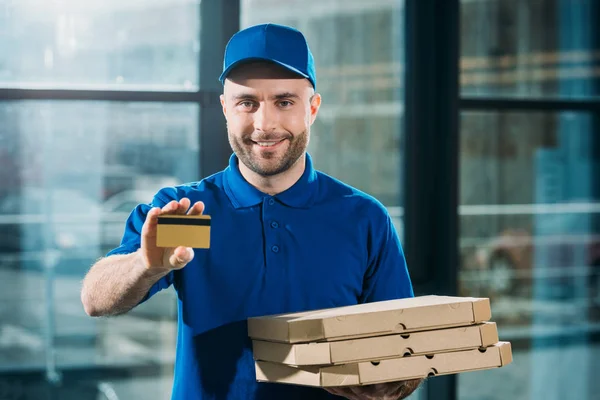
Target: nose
[{"x": 265, "y": 119}]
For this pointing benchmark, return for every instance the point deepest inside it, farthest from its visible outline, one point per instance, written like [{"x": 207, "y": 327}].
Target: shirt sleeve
[
  {"x": 131, "y": 240},
  {"x": 387, "y": 275}
]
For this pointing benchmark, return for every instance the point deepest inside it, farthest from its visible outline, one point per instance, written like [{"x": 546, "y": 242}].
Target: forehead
[{"x": 263, "y": 76}]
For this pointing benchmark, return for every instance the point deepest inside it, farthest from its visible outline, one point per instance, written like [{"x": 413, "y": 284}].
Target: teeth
[{"x": 267, "y": 144}]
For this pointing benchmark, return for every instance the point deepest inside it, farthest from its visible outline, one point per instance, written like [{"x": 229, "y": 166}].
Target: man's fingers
[
  {"x": 177, "y": 207},
  {"x": 153, "y": 214},
  {"x": 344, "y": 391},
  {"x": 197, "y": 208},
  {"x": 360, "y": 391},
  {"x": 380, "y": 391},
  {"x": 151, "y": 220},
  {"x": 170, "y": 207},
  {"x": 181, "y": 256},
  {"x": 183, "y": 206}
]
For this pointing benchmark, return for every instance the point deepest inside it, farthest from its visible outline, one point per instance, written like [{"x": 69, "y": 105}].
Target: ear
[
  {"x": 315, "y": 104},
  {"x": 222, "y": 98}
]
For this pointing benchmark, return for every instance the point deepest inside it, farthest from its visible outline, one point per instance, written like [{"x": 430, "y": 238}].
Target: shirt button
[
  {"x": 274, "y": 225},
  {"x": 271, "y": 201},
  {"x": 275, "y": 249}
]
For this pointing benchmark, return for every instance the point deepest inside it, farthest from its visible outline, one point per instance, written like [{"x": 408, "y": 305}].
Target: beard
[{"x": 265, "y": 162}]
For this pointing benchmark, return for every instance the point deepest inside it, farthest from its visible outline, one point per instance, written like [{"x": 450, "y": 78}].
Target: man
[{"x": 284, "y": 237}]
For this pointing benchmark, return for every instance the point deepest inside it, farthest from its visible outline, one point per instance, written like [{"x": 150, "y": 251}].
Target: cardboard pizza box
[
  {"x": 378, "y": 347},
  {"x": 183, "y": 230},
  {"x": 371, "y": 319},
  {"x": 390, "y": 370}
]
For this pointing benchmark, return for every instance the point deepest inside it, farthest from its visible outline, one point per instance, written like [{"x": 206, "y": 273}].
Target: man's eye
[
  {"x": 247, "y": 104},
  {"x": 285, "y": 103}
]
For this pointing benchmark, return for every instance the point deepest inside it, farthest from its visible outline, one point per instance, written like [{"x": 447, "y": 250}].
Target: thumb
[{"x": 181, "y": 256}]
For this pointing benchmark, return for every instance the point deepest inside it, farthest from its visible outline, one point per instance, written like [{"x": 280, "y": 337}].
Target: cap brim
[{"x": 247, "y": 60}]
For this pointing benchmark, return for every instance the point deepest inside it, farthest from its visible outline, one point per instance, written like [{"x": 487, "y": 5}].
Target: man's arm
[{"x": 118, "y": 283}]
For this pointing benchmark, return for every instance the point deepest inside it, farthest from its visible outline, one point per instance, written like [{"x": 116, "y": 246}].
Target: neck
[{"x": 275, "y": 184}]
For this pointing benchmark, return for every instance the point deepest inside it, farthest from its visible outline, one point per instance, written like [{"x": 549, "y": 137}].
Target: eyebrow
[
  {"x": 279, "y": 96},
  {"x": 285, "y": 95}
]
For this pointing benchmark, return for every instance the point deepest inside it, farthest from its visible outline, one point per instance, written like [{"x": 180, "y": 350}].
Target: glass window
[
  {"x": 359, "y": 49},
  {"x": 530, "y": 48},
  {"x": 70, "y": 173},
  {"x": 530, "y": 241},
  {"x": 110, "y": 44}
]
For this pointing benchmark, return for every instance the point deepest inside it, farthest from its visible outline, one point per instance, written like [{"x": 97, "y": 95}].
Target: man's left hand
[{"x": 380, "y": 391}]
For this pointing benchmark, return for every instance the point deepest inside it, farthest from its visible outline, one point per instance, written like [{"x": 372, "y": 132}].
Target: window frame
[
  {"x": 433, "y": 106},
  {"x": 219, "y": 20}
]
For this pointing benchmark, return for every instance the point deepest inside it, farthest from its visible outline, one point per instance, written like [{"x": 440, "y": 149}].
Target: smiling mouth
[{"x": 268, "y": 144}]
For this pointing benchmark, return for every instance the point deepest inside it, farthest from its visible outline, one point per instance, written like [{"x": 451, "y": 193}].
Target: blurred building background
[{"x": 476, "y": 122}]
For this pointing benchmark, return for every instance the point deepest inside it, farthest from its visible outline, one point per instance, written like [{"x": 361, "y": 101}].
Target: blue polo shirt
[{"x": 319, "y": 244}]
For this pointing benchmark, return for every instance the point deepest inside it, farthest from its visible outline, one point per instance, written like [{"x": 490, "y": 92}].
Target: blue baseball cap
[{"x": 282, "y": 45}]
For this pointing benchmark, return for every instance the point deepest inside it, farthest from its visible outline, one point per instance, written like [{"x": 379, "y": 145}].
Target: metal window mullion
[
  {"x": 431, "y": 155},
  {"x": 16, "y": 94},
  {"x": 528, "y": 104},
  {"x": 219, "y": 20}
]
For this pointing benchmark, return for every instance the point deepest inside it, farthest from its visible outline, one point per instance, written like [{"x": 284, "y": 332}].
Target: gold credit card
[{"x": 183, "y": 230}]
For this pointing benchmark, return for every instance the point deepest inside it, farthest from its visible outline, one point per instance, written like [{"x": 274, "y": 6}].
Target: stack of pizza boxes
[{"x": 378, "y": 342}]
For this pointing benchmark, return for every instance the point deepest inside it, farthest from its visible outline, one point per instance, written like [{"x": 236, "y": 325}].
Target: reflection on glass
[
  {"x": 530, "y": 241},
  {"x": 358, "y": 48},
  {"x": 141, "y": 45},
  {"x": 71, "y": 173},
  {"x": 530, "y": 48}
]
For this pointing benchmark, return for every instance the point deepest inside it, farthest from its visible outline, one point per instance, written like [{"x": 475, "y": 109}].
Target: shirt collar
[{"x": 242, "y": 194}]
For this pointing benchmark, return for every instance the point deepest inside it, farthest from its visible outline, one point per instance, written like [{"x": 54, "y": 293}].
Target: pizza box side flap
[
  {"x": 395, "y": 369},
  {"x": 470, "y": 360},
  {"x": 505, "y": 352},
  {"x": 292, "y": 354},
  {"x": 489, "y": 334},
  {"x": 438, "y": 364},
  {"x": 385, "y": 321},
  {"x": 481, "y": 310},
  {"x": 282, "y": 330},
  {"x": 341, "y": 375},
  {"x": 286, "y": 330},
  {"x": 303, "y": 331},
  {"x": 276, "y": 352},
  {"x": 443, "y": 340},
  {"x": 384, "y": 317},
  {"x": 313, "y": 354},
  {"x": 345, "y": 351},
  {"x": 268, "y": 329},
  {"x": 380, "y": 347},
  {"x": 273, "y": 372},
  {"x": 387, "y": 305}
]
